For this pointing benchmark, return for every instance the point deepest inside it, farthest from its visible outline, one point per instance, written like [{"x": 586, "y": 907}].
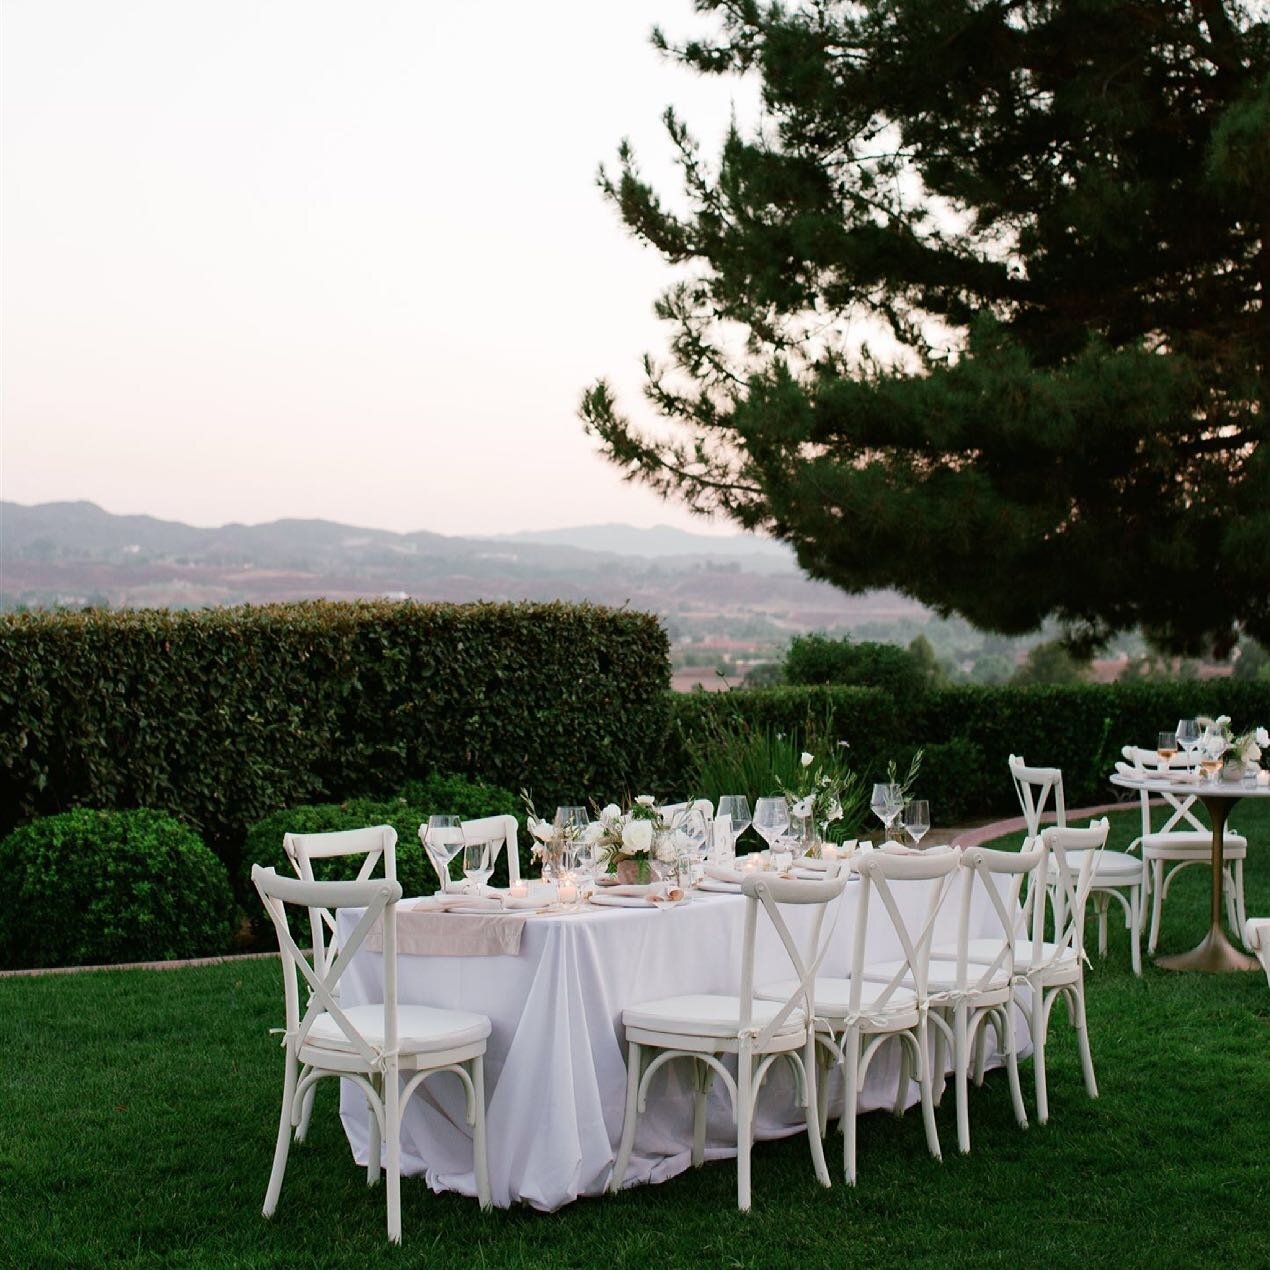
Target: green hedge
[
  {"x": 969, "y": 731},
  {"x": 225, "y": 715},
  {"x": 95, "y": 887}
]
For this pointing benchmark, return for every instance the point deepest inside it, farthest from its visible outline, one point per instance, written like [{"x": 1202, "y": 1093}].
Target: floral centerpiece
[
  {"x": 815, "y": 798},
  {"x": 631, "y": 842},
  {"x": 1242, "y": 752}
]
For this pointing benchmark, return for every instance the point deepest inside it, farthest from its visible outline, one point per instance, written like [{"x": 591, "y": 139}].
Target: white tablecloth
[{"x": 555, "y": 1067}]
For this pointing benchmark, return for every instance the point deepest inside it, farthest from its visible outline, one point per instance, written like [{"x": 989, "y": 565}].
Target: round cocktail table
[{"x": 1214, "y": 952}]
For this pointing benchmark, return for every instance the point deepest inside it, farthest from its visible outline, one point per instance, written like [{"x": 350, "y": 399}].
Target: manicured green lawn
[{"x": 138, "y": 1110}]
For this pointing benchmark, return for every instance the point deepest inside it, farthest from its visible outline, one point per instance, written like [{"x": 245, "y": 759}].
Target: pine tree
[{"x": 979, "y": 310}]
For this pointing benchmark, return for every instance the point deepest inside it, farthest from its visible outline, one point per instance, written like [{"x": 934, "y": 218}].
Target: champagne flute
[
  {"x": 916, "y": 819},
  {"x": 443, "y": 840},
  {"x": 478, "y": 864},
  {"x": 771, "y": 819},
  {"x": 738, "y": 807}
]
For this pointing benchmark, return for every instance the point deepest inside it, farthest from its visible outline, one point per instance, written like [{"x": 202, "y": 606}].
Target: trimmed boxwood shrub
[
  {"x": 225, "y": 715},
  {"x": 405, "y": 813},
  {"x": 94, "y": 887}
]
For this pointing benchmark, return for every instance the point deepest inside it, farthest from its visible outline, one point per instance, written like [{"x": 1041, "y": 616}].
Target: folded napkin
[
  {"x": 654, "y": 893},
  {"x": 434, "y": 932}
]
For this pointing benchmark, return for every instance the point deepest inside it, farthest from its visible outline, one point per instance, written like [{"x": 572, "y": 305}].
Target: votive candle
[
  {"x": 567, "y": 893},
  {"x": 519, "y": 890}
]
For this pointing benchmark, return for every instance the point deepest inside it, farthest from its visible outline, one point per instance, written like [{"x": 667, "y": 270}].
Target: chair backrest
[
  {"x": 1147, "y": 763},
  {"x": 501, "y": 833},
  {"x": 1068, "y": 892},
  {"x": 378, "y": 842},
  {"x": 769, "y": 892},
  {"x": 880, "y": 871},
  {"x": 981, "y": 867},
  {"x": 1034, "y": 786},
  {"x": 379, "y": 898}
]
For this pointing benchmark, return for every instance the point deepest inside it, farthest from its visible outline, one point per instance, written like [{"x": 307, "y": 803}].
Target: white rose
[
  {"x": 646, "y": 800},
  {"x": 637, "y": 837},
  {"x": 1262, "y": 737},
  {"x": 1253, "y": 753},
  {"x": 593, "y": 832},
  {"x": 611, "y": 812},
  {"x": 802, "y": 808},
  {"x": 1222, "y": 720},
  {"x": 807, "y": 759},
  {"x": 667, "y": 848},
  {"x": 543, "y": 830}
]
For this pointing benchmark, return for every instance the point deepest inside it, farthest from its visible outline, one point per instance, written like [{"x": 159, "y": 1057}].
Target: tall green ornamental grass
[{"x": 733, "y": 756}]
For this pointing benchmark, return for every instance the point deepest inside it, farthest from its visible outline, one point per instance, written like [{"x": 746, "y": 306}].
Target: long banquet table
[{"x": 555, "y": 1066}]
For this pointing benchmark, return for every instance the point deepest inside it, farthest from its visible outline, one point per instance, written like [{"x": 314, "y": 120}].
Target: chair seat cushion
[
  {"x": 1113, "y": 866},
  {"x": 707, "y": 1015},
  {"x": 1196, "y": 842},
  {"x": 983, "y": 952},
  {"x": 942, "y": 974},
  {"x": 833, "y": 996},
  {"x": 420, "y": 1028}
]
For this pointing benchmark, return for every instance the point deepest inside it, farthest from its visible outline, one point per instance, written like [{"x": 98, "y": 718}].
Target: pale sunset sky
[{"x": 341, "y": 260}]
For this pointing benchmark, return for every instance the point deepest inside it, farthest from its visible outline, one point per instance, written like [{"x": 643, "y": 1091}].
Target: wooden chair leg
[
  {"x": 634, "y": 1066},
  {"x": 851, "y": 1070},
  {"x": 283, "y": 1145},
  {"x": 480, "y": 1154},
  {"x": 392, "y": 1131},
  {"x": 961, "y": 1066},
  {"x": 1157, "y": 903},
  {"x": 744, "y": 1126},
  {"x": 925, "y": 1085},
  {"x": 814, "y": 1134},
  {"x": 374, "y": 1149},
  {"x": 1038, "y": 1054},
  {"x": 1082, "y": 1041}
]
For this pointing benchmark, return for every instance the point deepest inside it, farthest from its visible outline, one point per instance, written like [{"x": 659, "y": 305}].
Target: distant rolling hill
[{"x": 737, "y": 590}]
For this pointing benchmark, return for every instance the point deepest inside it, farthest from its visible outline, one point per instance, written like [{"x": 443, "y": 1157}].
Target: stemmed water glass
[
  {"x": 570, "y": 825},
  {"x": 771, "y": 820},
  {"x": 736, "y": 806},
  {"x": 1166, "y": 748},
  {"x": 916, "y": 819},
  {"x": 695, "y": 836},
  {"x": 1188, "y": 737},
  {"x": 478, "y": 864},
  {"x": 443, "y": 840},
  {"x": 886, "y": 804}
]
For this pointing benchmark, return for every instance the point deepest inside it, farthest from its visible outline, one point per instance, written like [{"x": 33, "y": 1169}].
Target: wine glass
[
  {"x": 694, "y": 831},
  {"x": 738, "y": 807},
  {"x": 443, "y": 840},
  {"x": 771, "y": 819},
  {"x": 1213, "y": 747},
  {"x": 478, "y": 864},
  {"x": 886, "y": 803},
  {"x": 570, "y": 824},
  {"x": 1166, "y": 748},
  {"x": 916, "y": 819},
  {"x": 1188, "y": 736}
]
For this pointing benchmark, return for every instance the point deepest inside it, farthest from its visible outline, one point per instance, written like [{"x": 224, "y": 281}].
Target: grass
[{"x": 139, "y": 1110}]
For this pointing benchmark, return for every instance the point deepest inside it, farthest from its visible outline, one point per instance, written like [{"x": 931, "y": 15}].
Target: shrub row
[
  {"x": 969, "y": 731},
  {"x": 225, "y": 715}
]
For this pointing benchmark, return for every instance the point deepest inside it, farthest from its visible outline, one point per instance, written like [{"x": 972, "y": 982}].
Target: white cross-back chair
[
  {"x": 703, "y": 1028},
  {"x": 885, "y": 1000},
  {"x": 971, "y": 984},
  {"x": 1182, "y": 839},
  {"x": 373, "y": 1046},
  {"x": 1119, "y": 876},
  {"x": 375, "y": 843},
  {"x": 1055, "y": 968}
]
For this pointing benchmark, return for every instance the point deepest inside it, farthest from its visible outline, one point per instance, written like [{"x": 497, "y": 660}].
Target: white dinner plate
[{"x": 717, "y": 884}]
